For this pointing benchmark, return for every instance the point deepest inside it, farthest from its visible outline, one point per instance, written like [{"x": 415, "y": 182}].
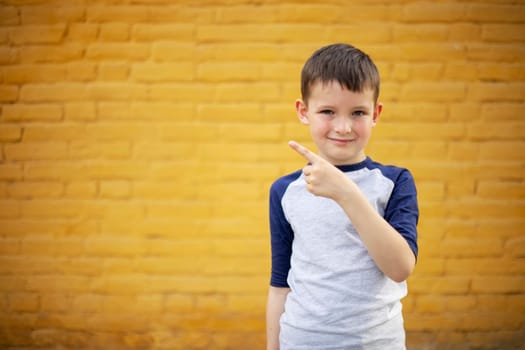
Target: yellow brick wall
[{"x": 138, "y": 140}]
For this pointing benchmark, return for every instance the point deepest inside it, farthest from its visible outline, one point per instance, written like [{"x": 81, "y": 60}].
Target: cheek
[
  {"x": 320, "y": 127},
  {"x": 362, "y": 129}
]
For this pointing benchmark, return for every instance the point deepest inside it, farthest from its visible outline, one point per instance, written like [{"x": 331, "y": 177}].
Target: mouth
[{"x": 341, "y": 141}]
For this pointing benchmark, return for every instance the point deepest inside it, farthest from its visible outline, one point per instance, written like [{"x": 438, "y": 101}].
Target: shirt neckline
[{"x": 355, "y": 166}]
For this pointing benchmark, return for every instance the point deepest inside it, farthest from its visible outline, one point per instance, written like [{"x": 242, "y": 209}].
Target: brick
[
  {"x": 429, "y": 12},
  {"x": 89, "y": 303},
  {"x": 432, "y": 112},
  {"x": 268, "y": 33},
  {"x": 39, "y": 133},
  {"x": 459, "y": 71},
  {"x": 168, "y": 13},
  {"x": 516, "y": 247},
  {"x": 9, "y": 209},
  {"x": 113, "y": 304},
  {"x": 86, "y": 149},
  {"x": 58, "y": 284},
  {"x": 431, "y": 304},
  {"x": 416, "y": 32},
  {"x": 9, "y": 15},
  {"x": 503, "y": 110},
  {"x": 164, "y": 151},
  {"x": 27, "y": 73},
  {"x": 280, "y": 71},
  {"x": 494, "y": 53},
  {"x": 56, "y": 209},
  {"x": 24, "y": 302},
  {"x": 83, "y": 32},
  {"x": 236, "y": 92},
  {"x": 115, "y": 13},
  {"x": 113, "y": 71},
  {"x": 59, "y": 92},
  {"x": 496, "y": 12},
  {"x": 370, "y": 33},
  {"x": 247, "y": 52},
  {"x": 486, "y": 266},
  {"x": 36, "y": 151},
  {"x": 247, "y": 112},
  {"x": 113, "y": 131},
  {"x": 154, "y": 32},
  {"x": 80, "y": 189},
  {"x": 427, "y": 51},
  {"x": 79, "y": 111},
  {"x": 177, "y": 92},
  {"x": 114, "y": 247},
  {"x": 29, "y": 190},
  {"x": 31, "y": 112},
  {"x": 161, "y": 72},
  {"x": 508, "y": 150},
  {"x": 502, "y": 32},
  {"x": 450, "y": 285},
  {"x": 148, "y": 304},
  {"x": 8, "y": 55},
  {"x": 500, "y": 190},
  {"x": 230, "y": 71},
  {"x": 114, "y": 32},
  {"x": 55, "y": 302},
  {"x": 179, "y": 303},
  {"x": 10, "y": 133},
  {"x": 434, "y": 92},
  {"x": 465, "y": 111},
  {"x": 460, "y": 303},
  {"x": 499, "y": 284},
  {"x": 246, "y": 14},
  {"x": 388, "y": 149},
  {"x": 37, "y": 34},
  {"x": 419, "y": 130},
  {"x": 9, "y": 93},
  {"x": 118, "y": 51},
  {"x": 481, "y": 247},
  {"x": 37, "y": 14},
  {"x": 169, "y": 51},
  {"x": 115, "y": 189},
  {"x": 80, "y": 71},
  {"x": 464, "y": 31},
  {"x": 53, "y": 54},
  {"x": 463, "y": 151},
  {"x": 489, "y": 92},
  {"x": 501, "y": 72}
]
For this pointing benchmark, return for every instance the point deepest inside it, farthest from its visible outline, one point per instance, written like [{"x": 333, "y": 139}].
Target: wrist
[{"x": 346, "y": 192}]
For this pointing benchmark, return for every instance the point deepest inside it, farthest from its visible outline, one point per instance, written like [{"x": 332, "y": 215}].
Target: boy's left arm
[{"x": 386, "y": 246}]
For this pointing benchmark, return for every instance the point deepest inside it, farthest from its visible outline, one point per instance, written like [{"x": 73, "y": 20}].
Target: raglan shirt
[{"x": 339, "y": 299}]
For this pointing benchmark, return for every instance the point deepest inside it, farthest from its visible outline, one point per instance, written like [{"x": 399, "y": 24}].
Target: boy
[{"x": 343, "y": 230}]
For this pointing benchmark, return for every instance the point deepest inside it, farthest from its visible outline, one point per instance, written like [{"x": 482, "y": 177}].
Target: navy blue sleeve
[
  {"x": 402, "y": 209},
  {"x": 281, "y": 235}
]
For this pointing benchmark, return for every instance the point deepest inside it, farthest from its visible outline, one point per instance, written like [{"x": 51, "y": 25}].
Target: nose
[{"x": 342, "y": 125}]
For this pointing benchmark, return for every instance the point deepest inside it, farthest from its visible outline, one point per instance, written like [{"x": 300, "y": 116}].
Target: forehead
[{"x": 333, "y": 92}]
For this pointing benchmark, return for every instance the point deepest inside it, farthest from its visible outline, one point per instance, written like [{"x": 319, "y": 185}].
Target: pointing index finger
[{"x": 303, "y": 151}]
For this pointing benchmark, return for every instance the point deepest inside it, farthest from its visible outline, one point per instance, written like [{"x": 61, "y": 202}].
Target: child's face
[{"x": 340, "y": 121}]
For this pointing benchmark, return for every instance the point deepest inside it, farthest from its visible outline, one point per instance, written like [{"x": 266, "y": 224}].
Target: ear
[
  {"x": 377, "y": 112},
  {"x": 302, "y": 111}
]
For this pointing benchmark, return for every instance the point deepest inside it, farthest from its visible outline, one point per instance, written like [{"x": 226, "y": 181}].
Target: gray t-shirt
[{"x": 339, "y": 299}]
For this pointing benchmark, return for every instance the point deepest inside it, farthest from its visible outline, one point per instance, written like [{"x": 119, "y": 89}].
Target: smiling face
[{"x": 340, "y": 121}]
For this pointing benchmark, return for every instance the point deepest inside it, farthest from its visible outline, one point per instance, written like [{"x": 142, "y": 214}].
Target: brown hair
[{"x": 349, "y": 66}]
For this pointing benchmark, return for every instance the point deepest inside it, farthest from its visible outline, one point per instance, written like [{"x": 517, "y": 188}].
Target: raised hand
[{"x": 322, "y": 178}]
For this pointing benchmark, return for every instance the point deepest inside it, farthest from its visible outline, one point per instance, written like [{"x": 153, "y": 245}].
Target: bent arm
[
  {"x": 274, "y": 310},
  {"x": 386, "y": 246}
]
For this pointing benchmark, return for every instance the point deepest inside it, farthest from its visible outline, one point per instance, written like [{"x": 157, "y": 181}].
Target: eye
[
  {"x": 358, "y": 113},
  {"x": 327, "y": 112}
]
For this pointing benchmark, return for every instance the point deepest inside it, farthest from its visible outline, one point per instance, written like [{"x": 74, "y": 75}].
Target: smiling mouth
[{"x": 341, "y": 140}]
